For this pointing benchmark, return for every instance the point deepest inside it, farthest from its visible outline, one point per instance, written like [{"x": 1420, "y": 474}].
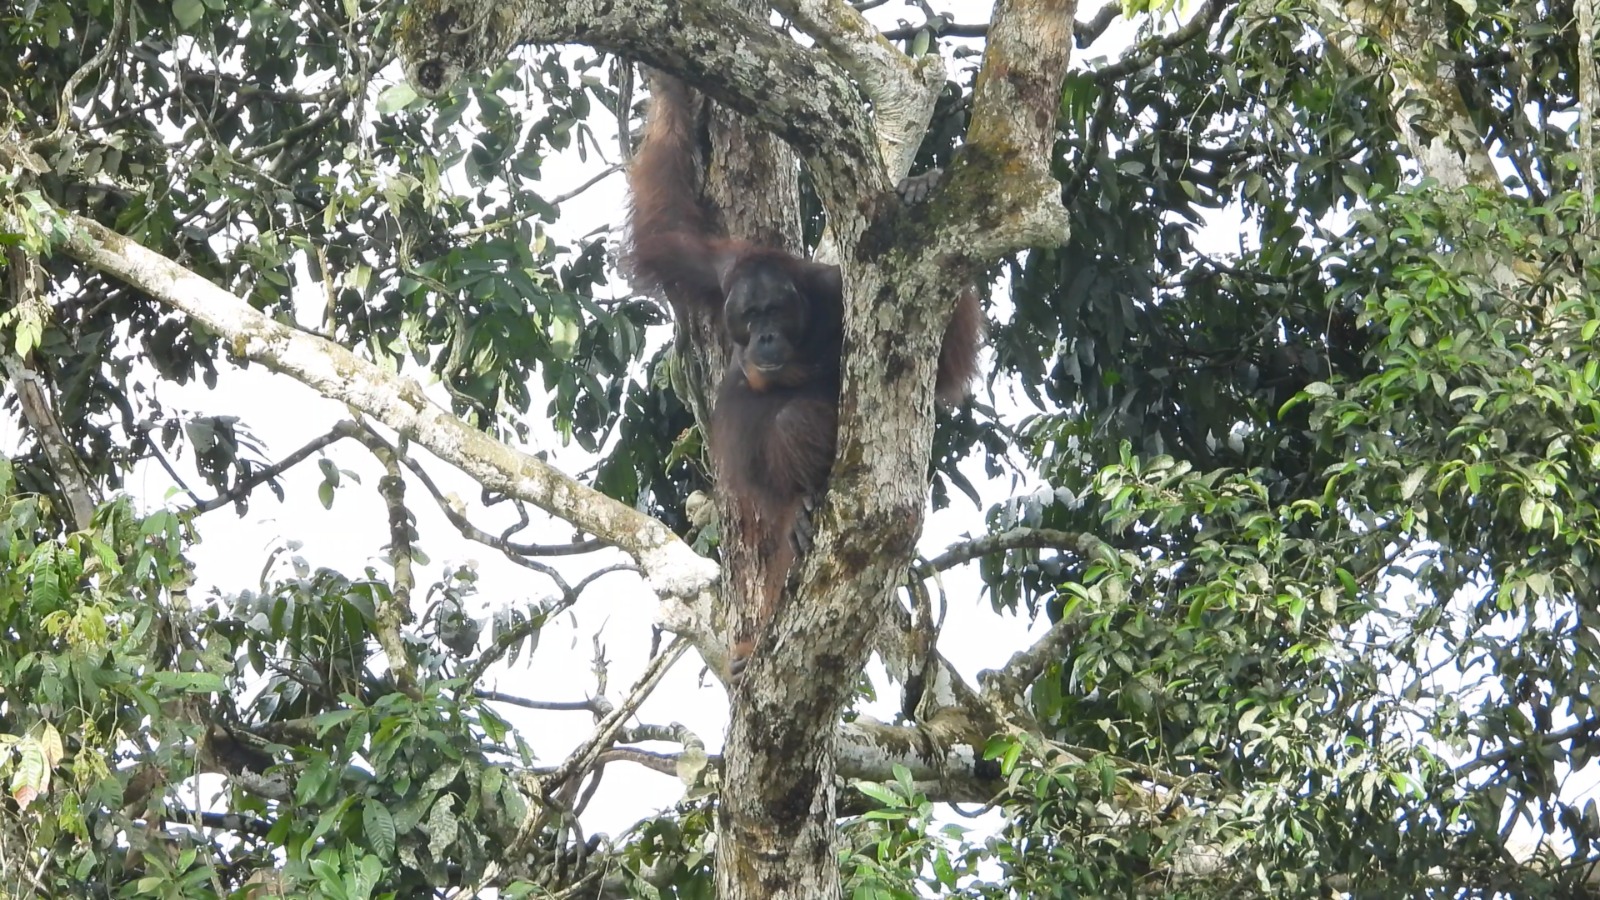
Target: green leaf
[
  {"x": 879, "y": 793},
  {"x": 191, "y": 682},
  {"x": 188, "y": 12},
  {"x": 378, "y": 825},
  {"x": 1532, "y": 512},
  {"x": 396, "y": 97},
  {"x": 442, "y": 826},
  {"x": 1008, "y": 761},
  {"x": 31, "y": 778}
]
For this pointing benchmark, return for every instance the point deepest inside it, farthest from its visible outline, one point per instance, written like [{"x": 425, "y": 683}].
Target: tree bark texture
[{"x": 776, "y": 817}]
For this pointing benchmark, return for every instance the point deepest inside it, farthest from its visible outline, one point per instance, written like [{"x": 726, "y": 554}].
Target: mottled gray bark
[{"x": 777, "y": 813}]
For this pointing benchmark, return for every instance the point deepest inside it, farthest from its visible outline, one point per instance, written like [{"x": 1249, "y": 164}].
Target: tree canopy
[{"x": 1287, "y": 438}]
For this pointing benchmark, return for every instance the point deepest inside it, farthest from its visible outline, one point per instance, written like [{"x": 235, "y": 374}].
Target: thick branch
[
  {"x": 1086, "y": 33},
  {"x": 671, "y": 568},
  {"x": 395, "y": 613},
  {"x": 1013, "y": 130},
  {"x": 945, "y": 752},
  {"x": 902, "y": 90},
  {"x": 1428, "y": 108},
  {"x": 1002, "y": 198},
  {"x": 1429, "y": 111},
  {"x": 1135, "y": 60},
  {"x": 39, "y": 412},
  {"x": 1006, "y": 685},
  {"x": 737, "y": 59}
]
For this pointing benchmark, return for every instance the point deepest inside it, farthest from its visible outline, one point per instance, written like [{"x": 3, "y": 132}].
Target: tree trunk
[{"x": 776, "y": 831}]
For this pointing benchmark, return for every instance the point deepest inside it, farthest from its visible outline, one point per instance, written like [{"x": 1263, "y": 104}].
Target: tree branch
[
  {"x": 1082, "y": 543},
  {"x": 339, "y": 432},
  {"x": 737, "y": 59},
  {"x": 1012, "y": 131},
  {"x": 31, "y": 311},
  {"x": 1429, "y": 111},
  {"x": 1086, "y": 33},
  {"x": 1153, "y": 50},
  {"x": 675, "y": 572},
  {"x": 588, "y": 706},
  {"x": 393, "y": 614},
  {"x": 581, "y": 760},
  {"x": 902, "y": 90},
  {"x": 1007, "y": 684}
]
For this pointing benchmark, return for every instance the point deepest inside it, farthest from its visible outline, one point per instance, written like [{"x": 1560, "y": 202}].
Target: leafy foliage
[{"x": 1342, "y": 467}]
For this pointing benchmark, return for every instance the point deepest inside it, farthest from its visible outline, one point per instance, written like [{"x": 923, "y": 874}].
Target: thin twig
[
  {"x": 497, "y": 224},
  {"x": 340, "y": 431},
  {"x": 588, "y": 706},
  {"x": 64, "y": 106},
  {"x": 581, "y": 760},
  {"x": 1015, "y": 539},
  {"x": 1152, "y": 50}
]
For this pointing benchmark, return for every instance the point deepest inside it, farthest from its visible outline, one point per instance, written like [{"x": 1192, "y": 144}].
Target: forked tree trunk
[{"x": 776, "y": 832}]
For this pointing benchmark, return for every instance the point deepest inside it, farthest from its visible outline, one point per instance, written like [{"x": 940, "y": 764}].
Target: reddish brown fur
[
  {"x": 958, "y": 354},
  {"x": 670, "y": 249},
  {"x": 772, "y": 435}
]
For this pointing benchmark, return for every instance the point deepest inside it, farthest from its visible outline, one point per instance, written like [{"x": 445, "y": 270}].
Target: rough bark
[
  {"x": 903, "y": 274},
  {"x": 902, "y": 90},
  {"x": 737, "y": 59},
  {"x": 34, "y": 396},
  {"x": 1428, "y": 109}
]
